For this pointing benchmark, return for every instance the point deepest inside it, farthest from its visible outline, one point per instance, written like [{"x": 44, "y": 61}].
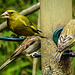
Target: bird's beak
[{"x": 5, "y": 15}]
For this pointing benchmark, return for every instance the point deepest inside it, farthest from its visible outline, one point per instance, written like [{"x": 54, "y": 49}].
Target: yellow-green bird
[
  {"x": 20, "y": 24},
  {"x": 66, "y": 40}
]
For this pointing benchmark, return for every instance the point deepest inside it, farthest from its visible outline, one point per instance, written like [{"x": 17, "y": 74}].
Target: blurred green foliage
[
  {"x": 21, "y": 66},
  {"x": 73, "y": 14}
]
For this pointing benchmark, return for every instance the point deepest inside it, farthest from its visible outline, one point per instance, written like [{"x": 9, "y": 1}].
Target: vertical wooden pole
[
  {"x": 54, "y": 14},
  {"x": 34, "y": 66},
  {"x": 36, "y": 59}
]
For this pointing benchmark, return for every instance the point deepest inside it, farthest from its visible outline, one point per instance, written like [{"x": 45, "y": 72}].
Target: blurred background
[{"x": 24, "y": 65}]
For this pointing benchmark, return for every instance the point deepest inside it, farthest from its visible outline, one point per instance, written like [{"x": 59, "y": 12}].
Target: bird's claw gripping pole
[{"x": 67, "y": 53}]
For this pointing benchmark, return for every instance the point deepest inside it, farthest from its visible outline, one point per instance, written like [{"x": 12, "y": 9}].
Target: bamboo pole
[
  {"x": 35, "y": 60},
  {"x": 54, "y": 14},
  {"x": 34, "y": 66}
]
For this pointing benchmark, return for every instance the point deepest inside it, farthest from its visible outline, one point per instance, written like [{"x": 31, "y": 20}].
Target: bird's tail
[
  {"x": 57, "y": 56},
  {"x": 6, "y": 63},
  {"x": 42, "y": 36}
]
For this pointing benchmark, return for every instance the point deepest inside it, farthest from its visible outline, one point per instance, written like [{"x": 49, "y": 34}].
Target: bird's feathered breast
[
  {"x": 67, "y": 37},
  {"x": 20, "y": 25}
]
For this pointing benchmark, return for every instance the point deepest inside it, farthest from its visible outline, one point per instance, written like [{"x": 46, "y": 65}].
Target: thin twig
[{"x": 34, "y": 66}]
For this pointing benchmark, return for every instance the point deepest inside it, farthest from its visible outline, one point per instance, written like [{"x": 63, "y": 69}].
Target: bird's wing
[
  {"x": 27, "y": 23},
  {"x": 67, "y": 37},
  {"x": 26, "y": 43},
  {"x": 18, "y": 51},
  {"x": 65, "y": 41}
]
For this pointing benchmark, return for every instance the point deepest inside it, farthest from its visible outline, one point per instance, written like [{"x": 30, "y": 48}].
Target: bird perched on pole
[
  {"x": 28, "y": 47},
  {"x": 66, "y": 40},
  {"x": 20, "y": 24}
]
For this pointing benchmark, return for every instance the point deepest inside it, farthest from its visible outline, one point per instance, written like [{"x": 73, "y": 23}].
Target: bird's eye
[{"x": 11, "y": 12}]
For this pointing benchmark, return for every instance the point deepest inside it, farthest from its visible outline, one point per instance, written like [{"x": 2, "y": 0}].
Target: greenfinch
[
  {"x": 66, "y": 40},
  {"x": 28, "y": 47},
  {"x": 20, "y": 24}
]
